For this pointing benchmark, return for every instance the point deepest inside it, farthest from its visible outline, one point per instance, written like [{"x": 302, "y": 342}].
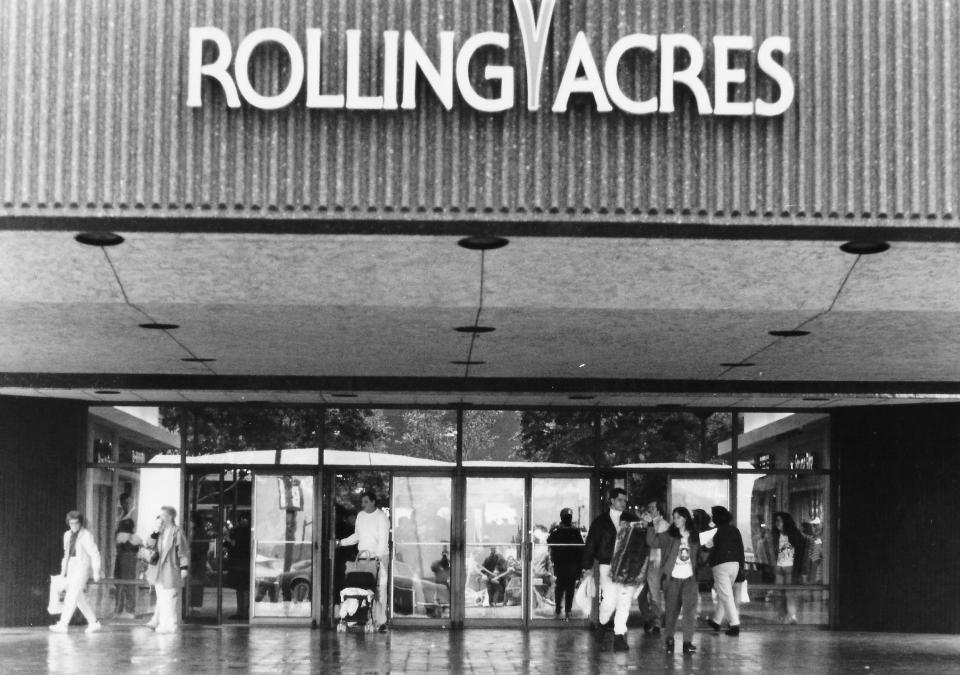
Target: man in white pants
[
  {"x": 81, "y": 559},
  {"x": 372, "y": 535},
  {"x": 615, "y": 598}
]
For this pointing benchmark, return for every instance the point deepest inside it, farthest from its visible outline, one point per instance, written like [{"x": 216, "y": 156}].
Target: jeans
[
  {"x": 724, "y": 576},
  {"x": 566, "y": 583},
  {"x": 651, "y": 602},
  {"x": 681, "y": 593},
  {"x": 787, "y": 602},
  {"x": 615, "y": 601}
]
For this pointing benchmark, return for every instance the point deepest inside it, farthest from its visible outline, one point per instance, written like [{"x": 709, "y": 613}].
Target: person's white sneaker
[
  {"x": 58, "y": 628},
  {"x": 94, "y": 627},
  {"x": 165, "y": 629},
  {"x": 151, "y": 624},
  {"x": 130, "y": 616}
]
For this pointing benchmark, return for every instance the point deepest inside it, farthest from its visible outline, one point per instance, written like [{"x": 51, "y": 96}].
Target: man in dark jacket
[
  {"x": 615, "y": 599},
  {"x": 566, "y": 551}
]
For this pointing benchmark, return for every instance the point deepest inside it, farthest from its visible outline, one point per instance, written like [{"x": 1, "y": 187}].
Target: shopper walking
[
  {"x": 125, "y": 569},
  {"x": 81, "y": 560},
  {"x": 615, "y": 598},
  {"x": 727, "y": 563},
  {"x": 372, "y": 536},
  {"x": 169, "y": 571},
  {"x": 566, "y": 552},
  {"x": 680, "y": 549},
  {"x": 651, "y": 597}
]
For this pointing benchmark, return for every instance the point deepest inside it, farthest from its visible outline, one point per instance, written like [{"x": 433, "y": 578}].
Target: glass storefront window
[
  {"x": 421, "y": 546},
  {"x": 630, "y": 437},
  {"x": 495, "y": 437},
  {"x": 798, "y": 442},
  {"x": 388, "y": 437}
]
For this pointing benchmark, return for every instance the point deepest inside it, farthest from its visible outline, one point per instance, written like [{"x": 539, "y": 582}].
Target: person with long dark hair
[
  {"x": 790, "y": 553},
  {"x": 727, "y": 563},
  {"x": 680, "y": 549}
]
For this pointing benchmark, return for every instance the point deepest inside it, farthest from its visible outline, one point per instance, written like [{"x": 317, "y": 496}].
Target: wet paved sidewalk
[{"x": 197, "y": 650}]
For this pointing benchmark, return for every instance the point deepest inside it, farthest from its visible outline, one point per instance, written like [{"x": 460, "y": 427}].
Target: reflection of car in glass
[
  {"x": 267, "y": 578},
  {"x": 295, "y": 583},
  {"x": 413, "y": 595},
  {"x": 273, "y": 583}
]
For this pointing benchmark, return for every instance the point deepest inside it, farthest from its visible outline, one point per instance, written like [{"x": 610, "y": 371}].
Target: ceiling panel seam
[
  {"x": 126, "y": 299},
  {"x": 836, "y": 296},
  {"x": 476, "y": 320}
]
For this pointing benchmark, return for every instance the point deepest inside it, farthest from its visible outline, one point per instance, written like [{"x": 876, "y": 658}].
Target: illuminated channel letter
[
  {"x": 614, "y": 56},
  {"x": 590, "y": 83},
  {"x": 777, "y": 73},
  {"x": 534, "y": 31},
  {"x": 441, "y": 80},
  {"x": 502, "y": 73},
  {"x": 196, "y": 69},
  {"x": 689, "y": 76},
  {"x": 241, "y": 68}
]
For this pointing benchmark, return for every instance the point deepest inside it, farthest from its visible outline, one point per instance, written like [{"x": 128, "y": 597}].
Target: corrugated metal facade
[{"x": 93, "y": 119}]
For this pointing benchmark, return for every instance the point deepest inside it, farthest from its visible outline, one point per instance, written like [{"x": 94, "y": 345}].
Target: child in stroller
[{"x": 358, "y": 594}]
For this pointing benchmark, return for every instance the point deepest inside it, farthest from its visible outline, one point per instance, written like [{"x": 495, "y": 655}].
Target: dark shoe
[
  {"x": 733, "y": 631},
  {"x": 382, "y": 628},
  {"x": 688, "y": 648},
  {"x": 620, "y": 643},
  {"x": 714, "y": 625},
  {"x": 655, "y": 630},
  {"x": 669, "y": 643},
  {"x": 606, "y": 627},
  {"x": 647, "y": 627},
  {"x": 566, "y": 617}
]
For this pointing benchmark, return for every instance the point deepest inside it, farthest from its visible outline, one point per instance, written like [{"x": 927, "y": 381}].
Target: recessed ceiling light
[
  {"x": 483, "y": 242},
  {"x": 474, "y": 329},
  {"x": 746, "y": 364},
  {"x": 788, "y": 333},
  {"x": 106, "y": 391},
  {"x": 159, "y": 326},
  {"x": 468, "y": 363},
  {"x": 582, "y": 365},
  {"x": 344, "y": 395},
  {"x": 581, "y": 397},
  {"x": 99, "y": 238},
  {"x": 864, "y": 247},
  {"x": 197, "y": 359}
]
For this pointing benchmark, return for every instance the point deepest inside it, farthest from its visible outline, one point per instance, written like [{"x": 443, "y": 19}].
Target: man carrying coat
[{"x": 615, "y": 598}]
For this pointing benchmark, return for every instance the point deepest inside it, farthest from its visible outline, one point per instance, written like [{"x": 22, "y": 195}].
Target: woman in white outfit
[
  {"x": 170, "y": 572},
  {"x": 372, "y": 535},
  {"x": 81, "y": 560}
]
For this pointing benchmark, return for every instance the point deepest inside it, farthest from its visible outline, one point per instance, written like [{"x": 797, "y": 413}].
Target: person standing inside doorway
[
  {"x": 566, "y": 551},
  {"x": 81, "y": 560},
  {"x": 372, "y": 537},
  {"x": 651, "y": 598},
  {"x": 615, "y": 598}
]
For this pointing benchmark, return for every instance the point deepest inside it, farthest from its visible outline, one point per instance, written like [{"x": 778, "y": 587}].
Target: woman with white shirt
[
  {"x": 680, "y": 549},
  {"x": 81, "y": 560},
  {"x": 372, "y": 536}
]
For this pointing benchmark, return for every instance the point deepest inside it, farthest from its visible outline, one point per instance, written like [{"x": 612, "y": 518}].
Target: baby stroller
[{"x": 359, "y": 593}]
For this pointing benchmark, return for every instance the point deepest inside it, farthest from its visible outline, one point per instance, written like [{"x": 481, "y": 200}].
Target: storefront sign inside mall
[{"x": 445, "y": 68}]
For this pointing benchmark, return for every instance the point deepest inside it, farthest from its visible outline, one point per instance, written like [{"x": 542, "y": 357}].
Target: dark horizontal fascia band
[
  {"x": 464, "y": 385},
  {"x": 616, "y": 227}
]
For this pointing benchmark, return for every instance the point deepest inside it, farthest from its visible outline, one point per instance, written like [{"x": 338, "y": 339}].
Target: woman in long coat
[{"x": 169, "y": 573}]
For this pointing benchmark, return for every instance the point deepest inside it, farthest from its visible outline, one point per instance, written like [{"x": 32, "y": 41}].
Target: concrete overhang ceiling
[{"x": 608, "y": 321}]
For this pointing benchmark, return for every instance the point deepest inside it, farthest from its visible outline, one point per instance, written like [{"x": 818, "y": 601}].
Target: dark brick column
[
  {"x": 40, "y": 451},
  {"x": 899, "y": 530}
]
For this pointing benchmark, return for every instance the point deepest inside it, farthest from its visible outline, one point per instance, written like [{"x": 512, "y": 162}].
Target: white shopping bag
[
  {"x": 744, "y": 593},
  {"x": 58, "y": 588},
  {"x": 584, "y": 595}
]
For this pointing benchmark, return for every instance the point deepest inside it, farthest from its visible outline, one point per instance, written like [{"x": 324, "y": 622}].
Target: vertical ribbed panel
[{"x": 94, "y": 120}]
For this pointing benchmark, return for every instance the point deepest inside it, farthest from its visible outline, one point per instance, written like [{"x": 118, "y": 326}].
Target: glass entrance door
[
  {"x": 554, "y": 564},
  {"x": 494, "y": 548},
  {"x": 283, "y": 546},
  {"x": 420, "y": 572}
]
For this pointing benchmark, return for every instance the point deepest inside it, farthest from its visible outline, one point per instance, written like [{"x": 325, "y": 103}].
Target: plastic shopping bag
[
  {"x": 584, "y": 595},
  {"x": 744, "y": 593},
  {"x": 58, "y": 588}
]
